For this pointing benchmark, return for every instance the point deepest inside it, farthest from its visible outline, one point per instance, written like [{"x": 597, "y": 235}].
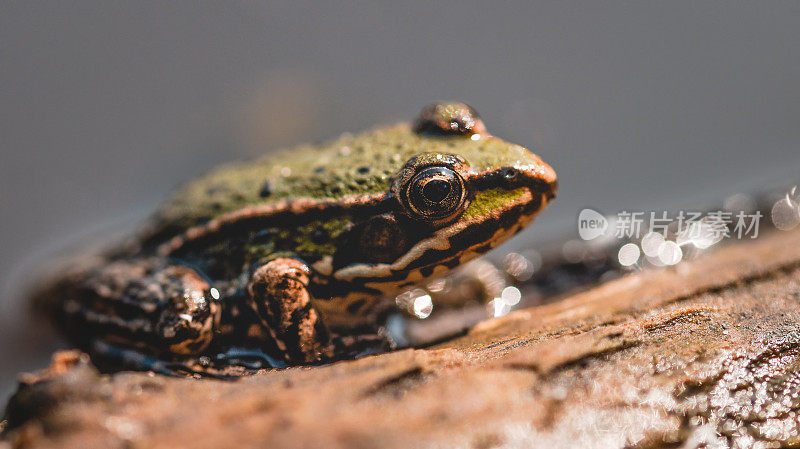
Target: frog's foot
[{"x": 279, "y": 294}]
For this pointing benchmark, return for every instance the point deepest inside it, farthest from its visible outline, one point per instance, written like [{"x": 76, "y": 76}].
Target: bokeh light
[
  {"x": 651, "y": 242},
  {"x": 785, "y": 214},
  {"x": 417, "y": 302},
  {"x": 628, "y": 254},
  {"x": 670, "y": 253}
]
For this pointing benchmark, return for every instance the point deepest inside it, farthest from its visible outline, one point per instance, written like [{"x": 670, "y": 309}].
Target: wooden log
[{"x": 705, "y": 354}]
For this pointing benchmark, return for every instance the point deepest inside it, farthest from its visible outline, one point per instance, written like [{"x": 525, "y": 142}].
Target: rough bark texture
[{"x": 706, "y": 354}]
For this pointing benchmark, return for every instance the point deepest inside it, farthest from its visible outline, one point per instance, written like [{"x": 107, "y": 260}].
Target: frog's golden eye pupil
[
  {"x": 435, "y": 194},
  {"x": 436, "y": 190}
]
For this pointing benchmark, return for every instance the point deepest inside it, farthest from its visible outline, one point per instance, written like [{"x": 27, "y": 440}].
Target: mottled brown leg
[
  {"x": 143, "y": 313},
  {"x": 280, "y": 296},
  {"x": 160, "y": 308}
]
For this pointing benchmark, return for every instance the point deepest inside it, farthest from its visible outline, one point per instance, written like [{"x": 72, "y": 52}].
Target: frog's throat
[{"x": 449, "y": 246}]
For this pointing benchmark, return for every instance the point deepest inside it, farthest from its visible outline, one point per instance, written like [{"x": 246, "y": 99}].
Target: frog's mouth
[{"x": 497, "y": 212}]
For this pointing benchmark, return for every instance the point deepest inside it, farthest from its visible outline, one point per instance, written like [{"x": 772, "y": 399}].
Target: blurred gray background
[{"x": 107, "y": 106}]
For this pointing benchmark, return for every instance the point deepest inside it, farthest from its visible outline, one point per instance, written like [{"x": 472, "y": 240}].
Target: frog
[{"x": 294, "y": 258}]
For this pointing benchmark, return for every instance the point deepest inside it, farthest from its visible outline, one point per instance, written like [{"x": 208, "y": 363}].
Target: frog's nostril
[{"x": 510, "y": 173}]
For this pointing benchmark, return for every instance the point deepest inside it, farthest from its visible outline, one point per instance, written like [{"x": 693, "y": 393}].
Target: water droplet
[
  {"x": 628, "y": 254},
  {"x": 784, "y": 214},
  {"x": 423, "y": 306},
  {"x": 520, "y": 267},
  {"x": 416, "y": 301},
  {"x": 498, "y": 307},
  {"x": 651, "y": 242},
  {"x": 670, "y": 253},
  {"x": 511, "y": 295}
]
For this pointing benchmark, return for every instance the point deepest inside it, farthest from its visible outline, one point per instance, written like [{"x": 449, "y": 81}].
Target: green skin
[{"x": 293, "y": 254}]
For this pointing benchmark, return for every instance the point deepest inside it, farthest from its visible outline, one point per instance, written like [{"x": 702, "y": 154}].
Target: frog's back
[
  {"x": 350, "y": 165},
  {"x": 345, "y": 166}
]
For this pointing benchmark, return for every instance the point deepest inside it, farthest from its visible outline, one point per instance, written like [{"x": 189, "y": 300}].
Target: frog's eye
[
  {"x": 449, "y": 119},
  {"x": 435, "y": 194}
]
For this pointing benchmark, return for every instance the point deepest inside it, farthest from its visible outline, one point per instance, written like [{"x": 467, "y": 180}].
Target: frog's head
[{"x": 463, "y": 193}]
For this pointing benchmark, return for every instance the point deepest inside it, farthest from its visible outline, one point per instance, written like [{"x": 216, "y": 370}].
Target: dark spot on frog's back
[
  {"x": 364, "y": 170},
  {"x": 266, "y": 190}
]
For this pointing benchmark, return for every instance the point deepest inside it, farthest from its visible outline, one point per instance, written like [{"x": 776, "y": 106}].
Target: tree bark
[{"x": 705, "y": 354}]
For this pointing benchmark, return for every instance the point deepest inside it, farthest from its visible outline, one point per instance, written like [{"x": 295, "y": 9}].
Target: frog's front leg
[{"x": 279, "y": 293}]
